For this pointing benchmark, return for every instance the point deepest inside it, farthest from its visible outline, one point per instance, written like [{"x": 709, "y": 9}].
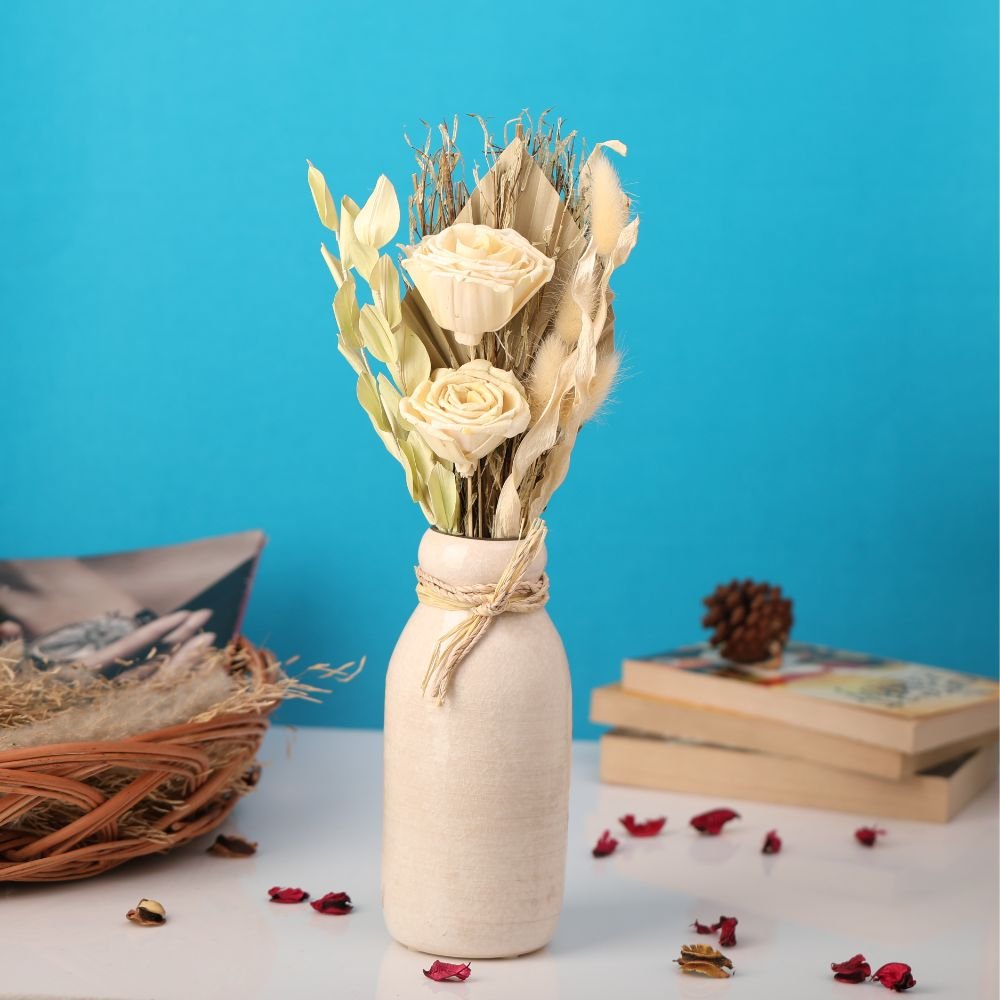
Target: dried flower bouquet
[{"x": 485, "y": 348}]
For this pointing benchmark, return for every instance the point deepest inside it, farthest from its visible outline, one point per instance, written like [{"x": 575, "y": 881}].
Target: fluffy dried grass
[
  {"x": 39, "y": 707},
  {"x": 608, "y": 205}
]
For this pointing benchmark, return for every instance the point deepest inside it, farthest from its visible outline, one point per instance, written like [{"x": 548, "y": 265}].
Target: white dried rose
[
  {"x": 464, "y": 413},
  {"x": 474, "y": 278}
]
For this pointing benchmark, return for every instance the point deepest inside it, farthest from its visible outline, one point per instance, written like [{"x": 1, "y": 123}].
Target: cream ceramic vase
[{"x": 476, "y": 789}]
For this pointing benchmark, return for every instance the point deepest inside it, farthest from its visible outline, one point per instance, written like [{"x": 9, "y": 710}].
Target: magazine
[{"x": 108, "y": 613}]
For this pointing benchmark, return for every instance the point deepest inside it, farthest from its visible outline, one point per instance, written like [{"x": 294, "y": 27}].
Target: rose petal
[
  {"x": 280, "y": 895},
  {"x": 232, "y": 847},
  {"x": 727, "y": 931},
  {"x": 867, "y": 835},
  {"x": 605, "y": 845},
  {"x": 334, "y": 903},
  {"x": 895, "y": 976},
  {"x": 701, "y": 928},
  {"x": 440, "y": 971},
  {"x": 464, "y": 414},
  {"x": 713, "y": 821},
  {"x": 855, "y": 970},
  {"x": 772, "y": 843},
  {"x": 475, "y": 278},
  {"x": 648, "y": 828}
]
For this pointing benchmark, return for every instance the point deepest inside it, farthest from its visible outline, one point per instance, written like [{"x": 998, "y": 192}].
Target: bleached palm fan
[{"x": 489, "y": 342}]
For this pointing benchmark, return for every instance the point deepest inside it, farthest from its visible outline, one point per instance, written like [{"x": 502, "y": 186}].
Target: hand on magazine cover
[{"x": 173, "y": 632}]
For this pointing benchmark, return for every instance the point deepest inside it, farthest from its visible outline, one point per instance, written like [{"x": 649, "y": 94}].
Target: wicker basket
[{"x": 207, "y": 765}]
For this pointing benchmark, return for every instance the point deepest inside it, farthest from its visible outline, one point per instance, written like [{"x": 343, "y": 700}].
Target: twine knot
[
  {"x": 491, "y": 609},
  {"x": 511, "y": 594}
]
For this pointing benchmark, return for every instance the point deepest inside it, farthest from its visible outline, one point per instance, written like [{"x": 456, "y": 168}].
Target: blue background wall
[{"x": 810, "y": 316}]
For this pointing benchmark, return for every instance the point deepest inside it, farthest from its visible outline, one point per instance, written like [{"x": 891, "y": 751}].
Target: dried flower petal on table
[
  {"x": 713, "y": 821},
  {"x": 440, "y": 971},
  {"x": 704, "y": 960},
  {"x": 854, "y": 970},
  {"x": 703, "y": 969},
  {"x": 280, "y": 895},
  {"x": 648, "y": 828},
  {"x": 605, "y": 845},
  {"x": 252, "y": 777},
  {"x": 727, "y": 931},
  {"x": 895, "y": 976},
  {"x": 228, "y": 846},
  {"x": 867, "y": 835},
  {"x": 700, "y": 928},
  {"x": 148, "y": 912},
  {"x": 772, "y": 843},
  {"x": 334, "y": 903}
]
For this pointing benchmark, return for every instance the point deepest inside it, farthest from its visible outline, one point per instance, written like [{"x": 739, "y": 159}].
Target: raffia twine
[{"x": 510, "y": 594}]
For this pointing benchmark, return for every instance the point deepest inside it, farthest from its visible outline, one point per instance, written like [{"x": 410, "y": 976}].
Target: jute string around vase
[{"x": 510, "y": 594}]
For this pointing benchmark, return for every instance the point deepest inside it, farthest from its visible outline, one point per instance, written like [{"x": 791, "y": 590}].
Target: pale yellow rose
[
  {"x": 474, "y": 279},
  {"x": 464, "y": 413}
]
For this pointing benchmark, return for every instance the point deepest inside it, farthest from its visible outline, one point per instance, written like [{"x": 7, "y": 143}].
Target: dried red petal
[
  {"x": 727, "y": 931},
  {"x": 867, "y": 835},
  {"x": 895, "y": 976},
  {"x": 605, "y": 845},
  {"x": 772, "y": 843},
  {"x": 335, "y": 903},
  {"x": 701, "y": 928},
  {"x": 649, "y": 828},
  {"x": 713, "y": 821},
  {"x": 440, "y": 971},
  {"x": 230, "y": 846},
  {"x": 280, "y": 895},
  {"x": 855, "y": 970}
]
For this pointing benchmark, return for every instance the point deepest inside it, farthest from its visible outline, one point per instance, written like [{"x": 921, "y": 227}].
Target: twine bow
[{"x": 510, "y": 594}]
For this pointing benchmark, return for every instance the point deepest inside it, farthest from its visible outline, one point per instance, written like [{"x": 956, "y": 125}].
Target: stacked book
[{"x": 827, "y": 729}]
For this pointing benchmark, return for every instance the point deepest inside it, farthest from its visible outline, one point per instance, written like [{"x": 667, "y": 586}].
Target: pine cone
[{"x": 751, "y": 621}]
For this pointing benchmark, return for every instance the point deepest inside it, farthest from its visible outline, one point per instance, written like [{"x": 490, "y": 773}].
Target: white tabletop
[{"x": 926, "y": 895}]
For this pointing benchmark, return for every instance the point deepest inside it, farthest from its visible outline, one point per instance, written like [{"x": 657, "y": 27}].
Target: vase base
[
  {"x": 468, "y": 957},
  {"x": 518, "y": 943}
]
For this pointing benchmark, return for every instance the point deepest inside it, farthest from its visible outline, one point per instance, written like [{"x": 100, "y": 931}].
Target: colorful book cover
[{"x": 907, "y": 690}]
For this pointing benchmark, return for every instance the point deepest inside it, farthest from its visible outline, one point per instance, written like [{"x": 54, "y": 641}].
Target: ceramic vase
[{"x": 476, "y": 789}]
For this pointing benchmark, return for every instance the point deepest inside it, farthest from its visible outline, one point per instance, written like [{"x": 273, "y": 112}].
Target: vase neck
[{"x": 469, "y": 561}]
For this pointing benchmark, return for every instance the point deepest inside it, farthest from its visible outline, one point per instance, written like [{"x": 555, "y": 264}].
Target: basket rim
[{"x": 159, "y": 737}]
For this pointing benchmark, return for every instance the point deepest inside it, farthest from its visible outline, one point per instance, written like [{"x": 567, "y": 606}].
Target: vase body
[{"x": 476, "y": 789}]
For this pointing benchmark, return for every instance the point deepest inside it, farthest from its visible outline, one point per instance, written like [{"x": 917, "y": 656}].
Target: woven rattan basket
[{"x": 206, "y": 766}]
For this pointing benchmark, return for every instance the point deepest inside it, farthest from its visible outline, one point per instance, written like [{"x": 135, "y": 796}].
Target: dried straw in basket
[{"x": 74, "y": 809}]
